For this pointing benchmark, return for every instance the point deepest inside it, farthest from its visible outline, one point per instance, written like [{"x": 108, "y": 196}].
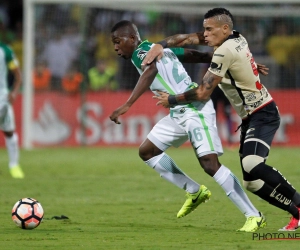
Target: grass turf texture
[{"x": 115, "y": 201}]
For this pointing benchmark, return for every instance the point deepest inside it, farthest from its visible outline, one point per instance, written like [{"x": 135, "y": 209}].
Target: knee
[
  {"x": 8, "y": 134},
  {"x": 253, "y": 186},
  {"x": 147, "y": 151},
  {"x": 144, "y": 153},
  {"x": 210, "y": 164},
  {"x": 251, "y": 161}
]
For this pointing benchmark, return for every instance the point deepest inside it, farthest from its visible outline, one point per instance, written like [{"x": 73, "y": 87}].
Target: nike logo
[
  {"x": 259, "y": 222},
  {"x": 195, "y": 200},
  {"x": 198, "y": 147}
]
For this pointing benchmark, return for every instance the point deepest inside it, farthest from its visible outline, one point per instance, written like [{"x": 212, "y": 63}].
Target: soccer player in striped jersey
[
  {"x": 234, "y": 70},
  {"x": 195, "y": 122},
  {"x": 8, "y": 62}
]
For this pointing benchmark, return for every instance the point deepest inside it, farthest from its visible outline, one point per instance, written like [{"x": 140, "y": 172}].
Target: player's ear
[
  {"x": 132, "y": 38},
  {"x": 225, "y": 28}
]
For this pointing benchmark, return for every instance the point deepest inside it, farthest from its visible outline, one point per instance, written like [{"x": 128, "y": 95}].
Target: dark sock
[
  {"x": 293, "y": 210},
  {"x": 266, "y": 192},
  {"x": 274, "y": 179},
  {"x": 296, "y": 199}
]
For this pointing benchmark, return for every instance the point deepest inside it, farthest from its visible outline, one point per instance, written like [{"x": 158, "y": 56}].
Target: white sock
[
  {"x": 13, "y": 150},
  {"x": 232, "y": 187},
  {"x": 166, "y": 167}
]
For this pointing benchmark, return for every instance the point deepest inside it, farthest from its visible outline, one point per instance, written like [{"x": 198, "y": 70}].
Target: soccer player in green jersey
[
  {"x": 195, "y": 122},
  {"x": 234, "y": 70},
  {"x": 8, "y": 62}
]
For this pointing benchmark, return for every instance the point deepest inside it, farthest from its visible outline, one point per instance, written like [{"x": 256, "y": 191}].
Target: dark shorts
[{"x": 257, "y": 133}]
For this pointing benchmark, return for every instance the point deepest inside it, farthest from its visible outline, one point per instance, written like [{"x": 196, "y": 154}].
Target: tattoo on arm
[
  {"x": 181, "y": 40},
  {"x": 202, "y": 92},
  {"x": 195, "y": 56},
  {"x": 207, "y": 82},
  {"x": 187, "y": 97},
  {"x": 201, "y": 38}
]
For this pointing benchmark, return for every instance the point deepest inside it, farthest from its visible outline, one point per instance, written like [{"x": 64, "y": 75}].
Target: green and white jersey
[
  {"x": 7, "y": 61},
  {"x": 171, "y": 78}
]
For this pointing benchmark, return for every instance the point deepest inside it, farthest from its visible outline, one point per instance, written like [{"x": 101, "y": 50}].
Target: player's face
[
  {"x": 124, "y": 44},
  {"x": 214, "y": 32}
]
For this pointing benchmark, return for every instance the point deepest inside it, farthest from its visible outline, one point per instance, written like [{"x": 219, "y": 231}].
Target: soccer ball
[{"x": 27, "y": 213}]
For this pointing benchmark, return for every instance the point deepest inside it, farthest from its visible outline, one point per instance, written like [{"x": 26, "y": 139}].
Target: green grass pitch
[{"x": 114, "y": 201}]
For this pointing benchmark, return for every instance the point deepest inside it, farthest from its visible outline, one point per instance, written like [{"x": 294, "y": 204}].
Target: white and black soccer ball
[{"x": 27, "y": 213}]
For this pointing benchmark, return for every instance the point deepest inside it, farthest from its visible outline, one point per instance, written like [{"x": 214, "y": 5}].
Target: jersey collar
[
  {"x": 145, "y": 41},
  {"x": 235, "y": 34}
]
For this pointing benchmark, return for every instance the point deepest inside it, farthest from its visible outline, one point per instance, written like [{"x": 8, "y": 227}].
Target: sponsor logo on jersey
[
  {"x": 141, "y": 54},
  {"x": 170, "y": 54},
  {"x": 182, "y": 110},
  {"x": 241, "y": 46},
  {"x": 216, "y": 67},
  {"x": 250, "y": 97}
]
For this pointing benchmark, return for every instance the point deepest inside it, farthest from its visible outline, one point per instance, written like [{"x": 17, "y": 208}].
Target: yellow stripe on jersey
[{"x": 13, "y": 64}]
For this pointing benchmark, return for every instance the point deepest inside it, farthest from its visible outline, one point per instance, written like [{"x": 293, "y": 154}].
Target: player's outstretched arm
[
  {"x": 178, "y": 40},
  {"x": 142, "y": 85},
  {"x": 201, "y": 93},
  {"x": 195, "y": 56}
]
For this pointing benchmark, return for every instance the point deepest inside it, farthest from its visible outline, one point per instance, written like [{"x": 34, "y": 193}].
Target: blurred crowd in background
[{"x": 73, "y": 50}]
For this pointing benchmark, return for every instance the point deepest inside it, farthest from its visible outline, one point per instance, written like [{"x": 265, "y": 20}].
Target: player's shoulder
[
  {"x": 6, "y": 48},
  {"x": 141, "y": 51},
  {"x": 223, "y": 51},
  {"x": 232, "y": 45}
]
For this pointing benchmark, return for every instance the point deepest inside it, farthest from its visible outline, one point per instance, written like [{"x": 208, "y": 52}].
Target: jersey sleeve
[
  {"x": 221, "y": 61},
  {"x": 10, "y": 58},
  {"x": 138, "y": 57}
]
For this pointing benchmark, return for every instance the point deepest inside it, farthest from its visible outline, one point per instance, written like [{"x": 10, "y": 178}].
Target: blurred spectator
[
  {"x": 294, "y": 59},
  {"x": 41, "y": 77},
  {"x": 104, "y": 49},
  {"x": 280, "y": 46},
  {"x": 255, "y": 35},
  {"x": 102, "y": 77},
  {"x": 59, "y": 56},
  {"x": 4, "y": 17},
  {"x": 6, "y": 35},
  {"x": 73, "y": 37},
  {"x": 72, "y": 80},
  {"x": 127, "y": 76},
  {"x": 17, "y": 43},
  {"x": 155, "y": 33}
]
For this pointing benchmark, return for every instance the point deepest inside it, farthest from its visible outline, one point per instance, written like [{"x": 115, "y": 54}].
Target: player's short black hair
[
  {"x": 218, "y": 11},
  {"x": 121, "y": 24}
]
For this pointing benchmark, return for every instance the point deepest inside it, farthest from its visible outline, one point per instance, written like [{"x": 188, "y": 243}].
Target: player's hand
[
  {"x": 162, "y": 98},
  {"x": 119, "y": 111},
  {"x": 156, "y": 51},
  {"x": 262, "y": 69}
]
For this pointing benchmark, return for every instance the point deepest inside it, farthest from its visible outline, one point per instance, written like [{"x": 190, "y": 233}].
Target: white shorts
[
  {"x": 7, "y": 118},
  {"x": 199, "y": 127}
]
